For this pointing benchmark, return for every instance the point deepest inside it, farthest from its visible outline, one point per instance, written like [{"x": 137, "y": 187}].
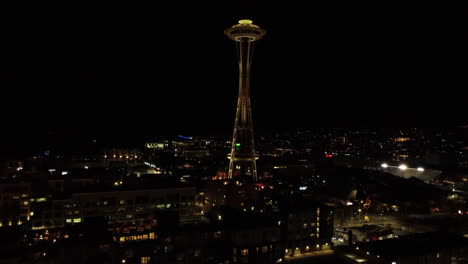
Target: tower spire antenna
[{"x": 243, "y": 157}]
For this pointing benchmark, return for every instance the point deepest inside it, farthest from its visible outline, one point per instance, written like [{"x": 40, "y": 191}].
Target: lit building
[
  {"x": 14, "y": 204},
  {"x": 308, "y": 227},
  {"x": 115, "y": 206},
  {"x": 424, "y": 248}
]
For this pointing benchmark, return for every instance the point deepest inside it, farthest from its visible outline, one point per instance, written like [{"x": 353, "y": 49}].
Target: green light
[{"x": 237, "y": 144}]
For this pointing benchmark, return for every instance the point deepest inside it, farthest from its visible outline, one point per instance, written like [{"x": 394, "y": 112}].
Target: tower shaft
[{"x": 243, "y": 147}]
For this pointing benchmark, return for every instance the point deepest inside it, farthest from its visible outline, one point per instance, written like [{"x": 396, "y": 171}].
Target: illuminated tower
[{"x": 242, "y": 157}]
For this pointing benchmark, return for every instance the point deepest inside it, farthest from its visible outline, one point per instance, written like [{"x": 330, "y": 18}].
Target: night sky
[{"x": 130, "y": 71}]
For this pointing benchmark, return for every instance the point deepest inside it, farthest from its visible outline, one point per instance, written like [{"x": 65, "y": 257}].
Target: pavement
[
  {"x": 317, "y": 257},
  {"x": 310, "y": 254}
]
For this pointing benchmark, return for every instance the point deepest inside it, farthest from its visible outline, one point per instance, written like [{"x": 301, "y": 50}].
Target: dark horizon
[{"x": 134, "y": 72}]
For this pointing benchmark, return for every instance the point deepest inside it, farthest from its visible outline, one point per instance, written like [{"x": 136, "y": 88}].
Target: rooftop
[{"x": 414, "y": 245}]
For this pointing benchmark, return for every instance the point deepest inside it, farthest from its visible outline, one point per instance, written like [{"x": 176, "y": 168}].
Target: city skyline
[{"x": 144, "y": 135}]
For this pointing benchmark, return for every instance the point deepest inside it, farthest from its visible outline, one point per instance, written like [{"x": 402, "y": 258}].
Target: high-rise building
[{"x": 243, "y": 157}]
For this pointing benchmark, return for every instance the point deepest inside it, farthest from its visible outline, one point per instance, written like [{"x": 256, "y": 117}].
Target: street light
[{"x": 402, "y": 168}]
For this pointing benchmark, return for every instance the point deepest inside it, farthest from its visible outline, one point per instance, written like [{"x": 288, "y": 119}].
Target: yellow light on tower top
[{"x": 245, "y": 22}]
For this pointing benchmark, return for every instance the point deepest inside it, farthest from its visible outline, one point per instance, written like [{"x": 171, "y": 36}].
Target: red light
[{"x": 328, "y": 156}]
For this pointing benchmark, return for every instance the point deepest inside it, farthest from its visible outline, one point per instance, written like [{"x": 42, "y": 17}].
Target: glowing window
[{"x": 145, "y": 260}]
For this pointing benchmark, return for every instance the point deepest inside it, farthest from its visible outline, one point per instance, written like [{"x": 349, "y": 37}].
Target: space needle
[{"x": 243, "y": 157}]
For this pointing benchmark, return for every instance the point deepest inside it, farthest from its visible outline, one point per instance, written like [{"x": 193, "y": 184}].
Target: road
[{"x": 319, "y": 257}]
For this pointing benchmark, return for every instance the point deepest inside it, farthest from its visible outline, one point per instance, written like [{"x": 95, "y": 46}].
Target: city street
[{"x": 320, "y": 257}]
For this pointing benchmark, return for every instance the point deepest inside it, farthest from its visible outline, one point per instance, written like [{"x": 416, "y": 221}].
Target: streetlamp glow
[
  {"x": 421, "y": 169},
  {"x": 384, "y": 165},
  {"x": 402, "y": 167}
]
